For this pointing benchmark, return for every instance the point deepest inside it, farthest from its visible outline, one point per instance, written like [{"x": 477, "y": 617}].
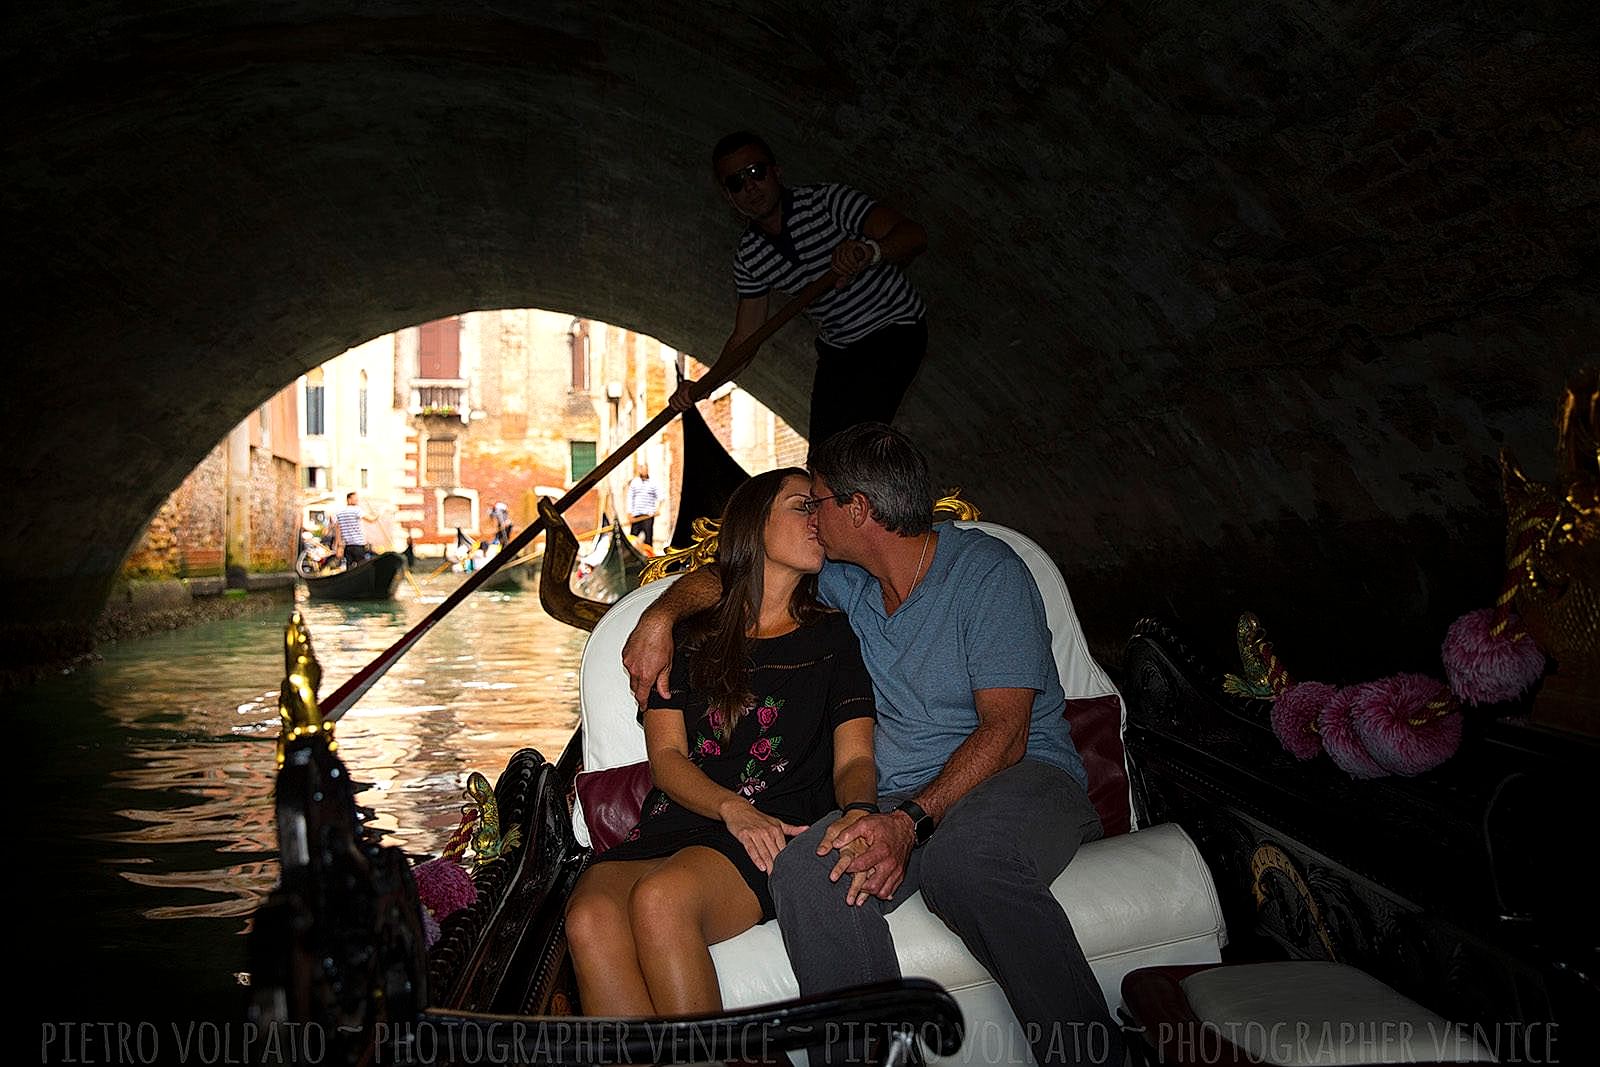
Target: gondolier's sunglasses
[
  {"x": 811, "y": 503},
  {"x": 755, "y": 172}
]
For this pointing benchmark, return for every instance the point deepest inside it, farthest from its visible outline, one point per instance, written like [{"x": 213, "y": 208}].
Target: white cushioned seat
[
  {"x": 1135, "y": 900},
  {"x": 1304, "y": 1013}
]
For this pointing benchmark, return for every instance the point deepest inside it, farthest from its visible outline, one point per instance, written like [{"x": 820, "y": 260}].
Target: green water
[{"x": 146, "y": 790}]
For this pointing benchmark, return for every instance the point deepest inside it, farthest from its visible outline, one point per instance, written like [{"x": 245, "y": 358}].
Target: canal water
[{"x": 147, "y": 838}]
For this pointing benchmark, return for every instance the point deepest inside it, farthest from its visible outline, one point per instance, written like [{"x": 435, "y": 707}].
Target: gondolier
[
  {"x": 872, "y": 328},
  {"x": 644, "y": 503},
  {"x": 349, "y": 536}
]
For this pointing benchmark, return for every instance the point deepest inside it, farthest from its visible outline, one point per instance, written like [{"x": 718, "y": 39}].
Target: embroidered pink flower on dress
[
  {"x": 768, "y": 713},
  {"x": 761, "y": 749},
  {"x": 714, "y": 718},
  {"x": 709, "y": 747}
]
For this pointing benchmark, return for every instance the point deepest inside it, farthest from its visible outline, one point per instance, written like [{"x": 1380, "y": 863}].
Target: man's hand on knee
[{"x": 888, "y": 840}]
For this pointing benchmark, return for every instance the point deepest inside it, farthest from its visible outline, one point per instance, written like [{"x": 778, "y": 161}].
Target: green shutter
[{"x": 583, "y": 458}]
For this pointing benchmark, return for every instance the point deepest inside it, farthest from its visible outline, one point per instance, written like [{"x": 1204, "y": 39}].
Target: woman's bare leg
[
  {"x": 690, "y": 902},
  {"x": 604, "y": 956}
]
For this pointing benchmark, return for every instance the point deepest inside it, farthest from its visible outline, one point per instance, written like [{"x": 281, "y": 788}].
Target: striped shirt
[
  {"x": 815, "y": 219},
  {"x": 642, "y": 496},
  {"x": 349, "y": 520}
]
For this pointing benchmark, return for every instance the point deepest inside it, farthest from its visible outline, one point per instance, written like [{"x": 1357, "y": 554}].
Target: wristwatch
[{"x": 921, "y": 821}]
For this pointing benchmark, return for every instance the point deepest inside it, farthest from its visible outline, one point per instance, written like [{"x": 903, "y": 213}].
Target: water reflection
[{"x": 159, "y": 760}]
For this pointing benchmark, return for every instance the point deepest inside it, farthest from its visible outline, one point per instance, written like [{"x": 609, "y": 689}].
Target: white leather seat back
[
  {"x": 1081, "y": 676},
  {"x": 607, "y": 712}
]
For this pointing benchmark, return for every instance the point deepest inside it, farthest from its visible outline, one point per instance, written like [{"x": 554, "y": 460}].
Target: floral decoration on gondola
[
  {"x": 1410, "y": 723},
  {"x": 445, "y": 884}
]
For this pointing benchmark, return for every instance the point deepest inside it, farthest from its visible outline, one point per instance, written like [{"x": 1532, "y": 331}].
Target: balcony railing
[{"x": 449, "y": 400}]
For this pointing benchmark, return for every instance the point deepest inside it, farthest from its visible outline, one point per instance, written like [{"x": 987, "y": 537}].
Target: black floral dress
[{"x": 780, "y": 756}]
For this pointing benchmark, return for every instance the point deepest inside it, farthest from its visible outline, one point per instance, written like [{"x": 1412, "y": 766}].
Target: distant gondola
[
  {"x": 516, "y": 575},
  {"x": 374, "y": 578},
  {"x": 614, "y": 565}
]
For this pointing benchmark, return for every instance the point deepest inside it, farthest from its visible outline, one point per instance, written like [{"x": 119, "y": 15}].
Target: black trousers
[
  {"x": 356, "y": 553},
  {"x": 644, "y": 530},
  {"x": 864, "y": 381}
]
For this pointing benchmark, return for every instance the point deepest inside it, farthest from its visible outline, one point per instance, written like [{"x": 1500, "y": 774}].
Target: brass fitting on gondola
[{"x": 297, "y": 698}]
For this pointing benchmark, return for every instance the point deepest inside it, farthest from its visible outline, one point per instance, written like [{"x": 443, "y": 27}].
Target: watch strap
[
  {"x": 862, "y": 805},
  {"x": 921, "y": 821}
]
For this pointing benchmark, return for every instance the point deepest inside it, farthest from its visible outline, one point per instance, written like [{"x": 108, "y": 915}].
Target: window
[
  {"x": 316, "y": 477},
  {"x": 315, "y": 423},
  {"x": 457, "y": 512},
  {"x": 363, "y": 477},
  {"x": 583, "y": 458},
  {"x": 441, "y": 461},
  {"x": 439, "y": 349},
  {"x": 361, "y": 412},
  {"x": 578, "y": 340}
]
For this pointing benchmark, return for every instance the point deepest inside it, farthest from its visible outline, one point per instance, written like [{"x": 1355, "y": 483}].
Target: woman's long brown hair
[{"x": 719, "y": 637}]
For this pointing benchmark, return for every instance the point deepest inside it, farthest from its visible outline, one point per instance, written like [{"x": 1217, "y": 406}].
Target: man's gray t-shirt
[{"x": 974, "y": 621}]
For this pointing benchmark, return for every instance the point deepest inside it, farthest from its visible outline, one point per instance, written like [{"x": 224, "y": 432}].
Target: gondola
[
  {"x": 1458, "y": 888},
  {"x": 505, "y": 953},
  {"x": 519, "y": 574},
  {"x": 374, "y": 578},
  {"x": 611, "y": 567}
]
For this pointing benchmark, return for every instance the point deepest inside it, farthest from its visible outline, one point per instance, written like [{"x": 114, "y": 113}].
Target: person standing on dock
[
  {"x": 873, "y": 329},
  {"x": 644, "y": 503},
  {"x": 349, "y": 535}
]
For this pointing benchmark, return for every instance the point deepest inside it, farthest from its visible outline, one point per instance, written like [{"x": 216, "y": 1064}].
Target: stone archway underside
[{"x": 1233, "y": 304}]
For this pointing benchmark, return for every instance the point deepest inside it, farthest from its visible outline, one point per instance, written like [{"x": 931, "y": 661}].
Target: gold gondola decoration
[
  {"x": 297, "y": 698},
  {"x": 951, "y": 506},
  {"x": 489, "y": 845},
  {"x": 1264, "y": 676},
  {"x": 701, "y": 551}
]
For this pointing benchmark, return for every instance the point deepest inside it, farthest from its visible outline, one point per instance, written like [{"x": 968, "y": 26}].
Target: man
[
  {"x": 644, "y": 503},
  {"x": 872, "y": 327},
  {"x": 349, "y": 536},
  {"x": 982, "y": 793},
  {"x": 500, "y": 518}
]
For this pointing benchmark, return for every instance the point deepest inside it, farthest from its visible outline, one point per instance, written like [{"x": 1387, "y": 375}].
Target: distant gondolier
[
  {"x": 349, "y": 536},
  {"x": 500, "y": 515},
  {"x": 644, "y": 503},
  {"x": 872, "y": 329}
]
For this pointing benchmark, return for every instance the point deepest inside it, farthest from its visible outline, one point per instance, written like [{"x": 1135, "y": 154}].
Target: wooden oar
[{"x": 340, "y": 700}]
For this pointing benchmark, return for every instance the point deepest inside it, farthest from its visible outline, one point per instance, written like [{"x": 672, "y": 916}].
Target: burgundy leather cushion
[
  {"x": 1097, "y": 731},
  {"x": 612, "y": 800}
]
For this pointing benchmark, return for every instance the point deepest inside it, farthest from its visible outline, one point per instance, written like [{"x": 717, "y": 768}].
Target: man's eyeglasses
[
  {"x": 754, "y": 172},
  {"x": 811, "y": 503}
]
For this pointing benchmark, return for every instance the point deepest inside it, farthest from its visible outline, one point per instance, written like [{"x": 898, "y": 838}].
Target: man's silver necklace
[{"x": 917, "y": 575}]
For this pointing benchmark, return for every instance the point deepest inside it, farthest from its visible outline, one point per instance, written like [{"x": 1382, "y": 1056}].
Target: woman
[{"x": 769, "y": 726}]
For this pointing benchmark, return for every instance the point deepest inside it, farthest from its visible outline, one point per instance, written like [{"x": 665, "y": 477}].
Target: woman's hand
[
  {"x": 835, "y": 831},
  {"x": 761, "y": 835}
]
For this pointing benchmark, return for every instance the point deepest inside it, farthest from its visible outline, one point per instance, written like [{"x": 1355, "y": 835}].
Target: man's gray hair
[{"x": 882, "y": 464}]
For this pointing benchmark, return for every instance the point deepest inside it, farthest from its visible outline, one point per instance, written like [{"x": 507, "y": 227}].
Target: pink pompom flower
[
  {"x": 1409, "y": 723},
  {"x": 1489, "y": 668},
  {"x": 444, "y": 887},
  {"x": 1294, "y": 717},
  {"x": 1339, "y": 738}
]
